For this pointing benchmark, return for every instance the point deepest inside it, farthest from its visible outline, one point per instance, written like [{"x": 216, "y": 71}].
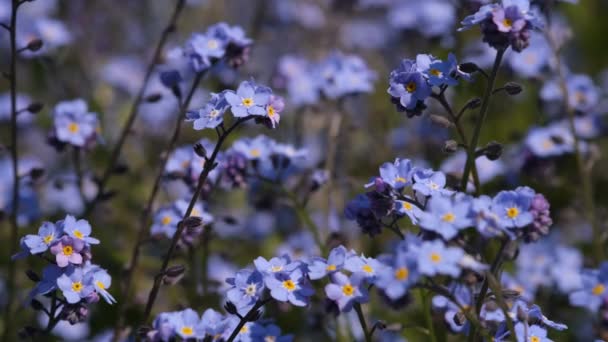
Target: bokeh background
[{"x": 110, "y": 44}]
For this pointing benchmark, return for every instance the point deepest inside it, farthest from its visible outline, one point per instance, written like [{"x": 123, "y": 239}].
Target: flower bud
[
  {"x": 36, "y": 305},
  {"x": 441, "y": 121},
  {"x": 34, "y": 44},
  {"x": 200, "y": 150},
  {"x": 468, "y": 67},
  {"x": 153, "y": 97},
  {"x": 450, "y": 146},
  {"x": 173, "y": 274},
  {"x": 493, "y": 150},
  {"x": 473, "y": 103},
  {"x": 35, "y": 107},
  {"x": 513, "y": 88},
  {"x": 230, "y": 308},
  {"x": 33, "y": 276}
]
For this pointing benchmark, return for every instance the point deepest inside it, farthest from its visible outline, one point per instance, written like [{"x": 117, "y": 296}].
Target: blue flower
[
  {"x": 551, "y": 141},
  {"x": 593, "y": 292},
  {"x": 290, "y": 287},
  {"x": 275, "y": 265},
  {"x": 408, "y": 87},
  {"x": 583, "y": 94},
  {"x": 48, "y": 233},
  {"x": 531, "y": 61},
  {"x": 271, "y": 332},
  {"x": 428, "y": 182},
  {"x": 532, "y": 333},
  {"x": 346, "y": 291},
  {"x": 513, "y": 207},
  {"x": 165, "y": 221},
  {"x": 452, "y": 313},
  {"x": 48, "y": 283},
  {"x": 187, "y": 324},
  {"x": 213, "y": 323},
  {"x": 211, "y": 115},
  {"x": 447, "y": 215},
  {"x": 401, "y": 273},
  {"x": 438, "y": 72},
  {"x": 73, "y": 285},
  {"x": 319, "y": 268},
  {"x": 247, "y": 287},
  {"x": 249, "y": 99},
  {"x": 343, "y": 75},
  {"x": 397, "y": 174},
  {"x": 74, "y": 124},
  {"x": 219, "y": 41},
  {"x": 486, "y": 221},
  {"x": 409, "y": 209},
  {"x": 78, "y": 229},
  {"x": 259, "y": 147},
  {"x": 303, "y": 84},
  {"x": 101, "y": 281},
  {"x": 434, "y": 257},
  {"x": 367, "y": 268}
]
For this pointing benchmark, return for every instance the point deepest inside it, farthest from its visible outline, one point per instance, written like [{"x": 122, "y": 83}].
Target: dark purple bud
[
  {"x": 34, "y": 44},
  {"x": 200, "y": 150},
  {"x": 513, "y": 88},
  {"x": 34, "y": 107},
  {"x": 153, "y": 97},
  {"x": 473, "y": 103},
  {"x": 36, "y": 305},
  {"x": 468, "y": 67},
  {"x": 493, "y": 150},
  {"x": 36, "y": 173},
  {"x": 230, "y": 308},
  {"x": 33, "y": 276}
]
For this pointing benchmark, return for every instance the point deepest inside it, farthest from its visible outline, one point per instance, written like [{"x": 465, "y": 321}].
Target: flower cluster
[
  {"x": 413, "y": 81},
  {"x": 167, "y": 218},
  {"x": 249, "y": 100},
  {"x": 71, "y": 272},
  {"x": 74, "y": 124},
  {"x": 336, "y": 76},
  {"x": 421, "y": 194},
  {"x": 187, "y": 324},
  {"x": 505, "y": 24}
]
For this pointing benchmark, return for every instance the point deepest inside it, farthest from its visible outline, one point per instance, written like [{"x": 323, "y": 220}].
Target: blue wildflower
[
  {"x": 73, "y": 286},
  {"x": 48, "y": 233},
  {"x": 438, "y": 72},
  {"x": 101, "y": 281},
  {"x": 212, "y": 323},
  {"x": 583, "y": 94},
  {"x": 593, "y": 293},
  {"x": 74, "y": 124},
  {"x": 290, "y": 287},
  {"x": 187, "y": 324},
  {"x": 343, "y": 75},
  {"x": 367, "y": 268},
  {"x": 434, "y": 257},
  {"x": 247, "y": 287},
  {"x": 346, "y": 291},
  {"x": 452, "y": 313},
  {"x": 428, "y": 182},
  {"x": 249, "y": 99},
  {"x": 48, "y": 283},
  {"x": 67, "y": 251},
  {"x": 409, "y": 209},
  {"x": 270, "y": 332},
  {"x": 259, "y": 147},
  {"x": 408, "y": 88},
  {"x": 397, "y": 174},
  {"x": 532, "y": 333},
  {"x": 319, "y": 268},
  {"x": 80, "y": 229},
  {"x": 397, "y": 277},
  {"x": 447, "y": 215},
  {"x": 513, "y": 207},
  {"x": 211, "y": 115},
  {"x": 165, "y": 221}
]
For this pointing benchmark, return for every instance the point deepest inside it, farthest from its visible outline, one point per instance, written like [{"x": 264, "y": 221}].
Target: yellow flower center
[
  {"x": 512, "y": 212},
  {"x": 100, "y": 285},
  {"x": 276, "y": 268},
  {"x": 449, "y": 217},
  {"x": 435, "y": 257},
  {"x": 507, "y": 22},
  {"x": 68, "y": 250},
  {"x": 270, "y": 339},
  {"x": 73, "y": 127},
  {"x": 187, "y": 331},
  {"x": 165, "y": 220},
  {"x": 247, "y": 102},
  {"x": 435, "y": 72},
  {"x": 78, "y": 234},
  {"x": 270, "y": 110},
  {"x": 244, "y": 329},
  {"x": 399, "y": 179},
  {"x": 195, "y": 212},
  {"x": 214, "y": 113},
  {"x": 402, "y": 273},
  {"x": 547, "y": 144},
  {"x": 411, "y": 87},
  {"x": 331, "y": 267},
  {"x": 598, "y": 289},
  {"x": 255, "y": 152},
  {"x": 289, "y": 285},
  {"x": 348, "y": 290},
  {"x": 367, "y": 269},
  {"x": 534, "y": 339},
  {"x": 77, "y": 286},
  {"x": 47, "y": 239}
]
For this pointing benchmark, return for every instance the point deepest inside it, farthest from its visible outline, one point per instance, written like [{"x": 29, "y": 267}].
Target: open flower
[
  {"x": 346, "y": 291},
  {"x": 67, "y": 251}
]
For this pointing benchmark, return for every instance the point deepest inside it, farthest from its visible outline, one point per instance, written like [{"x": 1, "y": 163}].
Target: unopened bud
[
  {"x": 450, "y": 146},
  {"x": 513, "y": 88},
  {"x": 441, "y": 121},
  {"x": 34, "y": 44},
  {"x": 468, "y": 67},
  {"x": 192, "y": 222},
  {"x": 35, "y": 107},
  {"x": 253, "y": 316},
  {"x": 33, "y": 276},
  {"x": 230, "y": 308},
  {"x": 153, "y": 97},
  {"x": 36, "y": 173},
  {"x": 473, "y": 103},
  {"x": 200, "y": 150},
  {"x": 493, "y": 150},
  {"x": 174, "y": 274},
  {"x": 36, "y": 305}
]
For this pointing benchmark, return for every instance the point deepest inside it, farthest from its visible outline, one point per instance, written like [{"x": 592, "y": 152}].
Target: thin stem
[
  {"x": 368, "y": 335},
  {"x": 209, "y": 166},
  {"x": 143, "y": 221},
  {"x": 461, "y": 133},
  {"x": 15, "y": 159},
  {"x": 496, "y": 289},
  {"x": 78, "y": 170},
  {"x": 333, "y": 133},
  {"x": 425, "y": 304},
  {"x": 244, "y": 320},
  {"x": 485, "y": 103},
  {"x": 53, "y": 317},
  {"x": 304, "y": 217},
  {"x": 179, "y": 5},
  {"x": 584, "y": 172}
]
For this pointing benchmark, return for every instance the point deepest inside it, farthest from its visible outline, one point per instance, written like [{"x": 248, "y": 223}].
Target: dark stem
[
  {"x": 243, "y": 320},
  {"x": 368, "y": 335},
  {"x": 143, "y": 220},
  {"x": 209, "y": 166},
  {"x": 135, "y": 107},
  {"x": 485, "y": 103},
  {"x": 78, "y": 170},
  {"x": 13, "y": 242},
  {"x": 53, "y": 317}
]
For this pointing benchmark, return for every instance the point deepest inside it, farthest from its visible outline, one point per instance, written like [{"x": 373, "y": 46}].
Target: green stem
[
  {"x": 368, "y": 335},
  {"x": 305, "y": 218},
  {"x": 426, "y": 308},
  {"x": 483, "y": 112}
]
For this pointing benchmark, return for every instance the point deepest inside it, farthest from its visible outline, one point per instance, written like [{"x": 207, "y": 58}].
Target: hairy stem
[
  {"x": 13, "y": 240},
  {"x": 107, "y": 174},
  {"x": 209, "y": 166},
  {"x": 483, "y": 112},
  {"x": 143, "y": 220}
]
